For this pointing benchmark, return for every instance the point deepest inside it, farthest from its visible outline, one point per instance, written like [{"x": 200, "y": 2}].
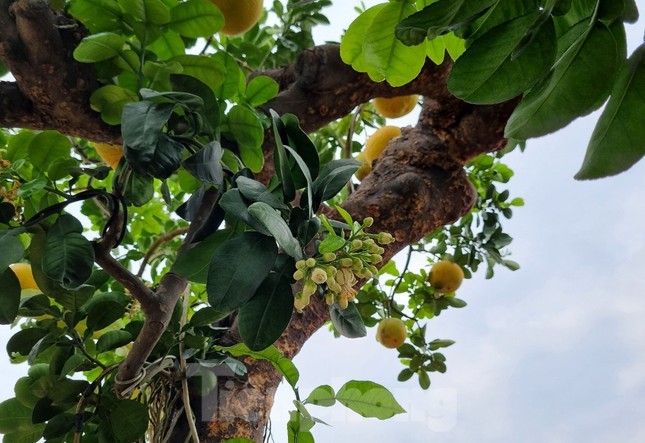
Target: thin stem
[
  {"x": 182, "y": 366},
  {"x": 405, "y": 269},
  {"x": 347, "y": 152},
  {"x": 157, "y": 243},
  {"x": 207, "y": 45},
  {"x": 80, "y": 406},
  {"x": 81, "y": 348}
]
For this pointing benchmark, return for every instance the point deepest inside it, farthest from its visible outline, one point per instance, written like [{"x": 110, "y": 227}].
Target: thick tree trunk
[{"x": 417, "y": 185}]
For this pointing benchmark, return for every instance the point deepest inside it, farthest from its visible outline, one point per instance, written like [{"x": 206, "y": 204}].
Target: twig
[
  {"x": 347, "y": 153},
  {"x": 392, "y": 306},
  {"x": 153, "y": 248},
  {"x": 182, "y": 367},
  {"x": 131, "y": 282},
  {"x": 80, "y": 406}
]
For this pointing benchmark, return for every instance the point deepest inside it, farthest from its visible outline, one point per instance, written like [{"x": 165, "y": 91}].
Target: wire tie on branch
[{"x": 146, "y": 374}]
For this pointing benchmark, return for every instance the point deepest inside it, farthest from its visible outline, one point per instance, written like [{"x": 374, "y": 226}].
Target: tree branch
[
  {"x": 36, "y": 45},
  {"x": 159, "y": 312}
]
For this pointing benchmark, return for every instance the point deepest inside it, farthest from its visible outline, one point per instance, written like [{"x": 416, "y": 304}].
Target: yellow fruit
[
  {"x": 365, "y": 168},
  {"x": 239, "y": 15},
  {"x": 25, "y": 276},
  {"x": 446, "y": 276},
  {"x": 110, "y": 154},
  {"x": 395, "y": 107},
  {"x": 377, "y": 142},
  {"x": 391, "y": 332}
]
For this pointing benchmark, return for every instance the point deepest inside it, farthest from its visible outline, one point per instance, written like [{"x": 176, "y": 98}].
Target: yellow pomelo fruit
[
  {"x": 391, "y": 332},
  {"x": 395, "y": 107},
  {"x": 446, "y": 276},
  {"x": 25, "y": 275},
  {"x": 377, "y": 142},
  {"x": 365, "y": 168},
  {"x": 239, "y": 15},
  {"x": 110, "y": 154}
]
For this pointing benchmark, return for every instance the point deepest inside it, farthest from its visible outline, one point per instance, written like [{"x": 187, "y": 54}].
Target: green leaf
[
  {"x": 32, "y": 435},
  {"x": 142, "y": 124},
  {"x": 210, "y": 113},
  {"x": 105, "y": 308},
  {"x": 110, "y": 100},
  {"x": 14, "y": 416},
  {"x": 168, "y": 45},
  {"x": 237, "y": 269},
  {"x": 436, "y": 344},
  {"x": 282, "y": 364},
  {"x": 351, "y": 46},
  {"x": 196, "y": 18},
  {"x": 501, "y": 12},
  {"x": 346, "y": 215},
  {"x": 618, "y": 141},
  {"x": 99, "y": 47},
  {"x": 246, "y": 128},
  {"x": 331, "y": 243},
  {"x": 160, "y": 160},
  {"x": 193, "y": 263},
  {"x": 300, "y": 142},
  {"x": 369, "y": 399},
  {"x": 128, "y": 420},
  {"x": 280, "y": 160},
  {"x": 384, "y": 54},
  {"x": 9, "y": 297},
  {"x": 278, "y": 228},
  {"x": 322, "y": 396},
  {"x": 59, "y": 426},
  {"x": 231, "y": 84},
  {"x": 233, "y": 203},
  {"x": 147, "y": 11},
  {"x": 405, "y": 375},
  {"x": 68, "y": 256},
  {"x": 203, "y": 68},
  {"x": 308, "y": 229},
  {"x": 255, "y": 191},
  {"x": 260, "y": 90},
  {"x": 577, "y": 85},
  {"x": 206, "y": 316},
  {"x": 74, "y": 299},
  {"x": 440, "y": 18},
  {"x": 186, "y": 99},
  {"x": 48, "y": 146},
  {"x": 23, "y": 341},
  {"x": 348, "y": 322},
  {"x": 263, "y": 319},
  {"x": 332, "y": 179},
  {"x": 302, "y": 171},
  {"x": 112, "y": 340},
  {"x": 97, "y": 15},
  {"x": 32, "y": 187},
  {"x": 205, "y": 164},
  {"x": 11, "y": 248},
  {"x": 490, "y": 73},
  {"x": 138, "y": 189}
]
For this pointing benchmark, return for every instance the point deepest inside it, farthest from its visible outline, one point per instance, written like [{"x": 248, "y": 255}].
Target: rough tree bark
[{"x": 416, "y": 186}]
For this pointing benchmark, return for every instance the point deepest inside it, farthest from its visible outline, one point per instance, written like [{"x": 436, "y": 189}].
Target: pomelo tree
[{"x": 184, "y": 198}]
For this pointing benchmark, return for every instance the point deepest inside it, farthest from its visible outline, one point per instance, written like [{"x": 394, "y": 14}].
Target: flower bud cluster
[{"x": 335, "y": 274}]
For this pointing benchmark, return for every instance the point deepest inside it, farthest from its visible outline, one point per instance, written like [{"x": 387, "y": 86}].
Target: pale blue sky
[{"x": 552, "y": 353}]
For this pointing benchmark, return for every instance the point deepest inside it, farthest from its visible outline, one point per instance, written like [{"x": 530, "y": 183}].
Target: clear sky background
[{"x": 552, "y": 353}]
